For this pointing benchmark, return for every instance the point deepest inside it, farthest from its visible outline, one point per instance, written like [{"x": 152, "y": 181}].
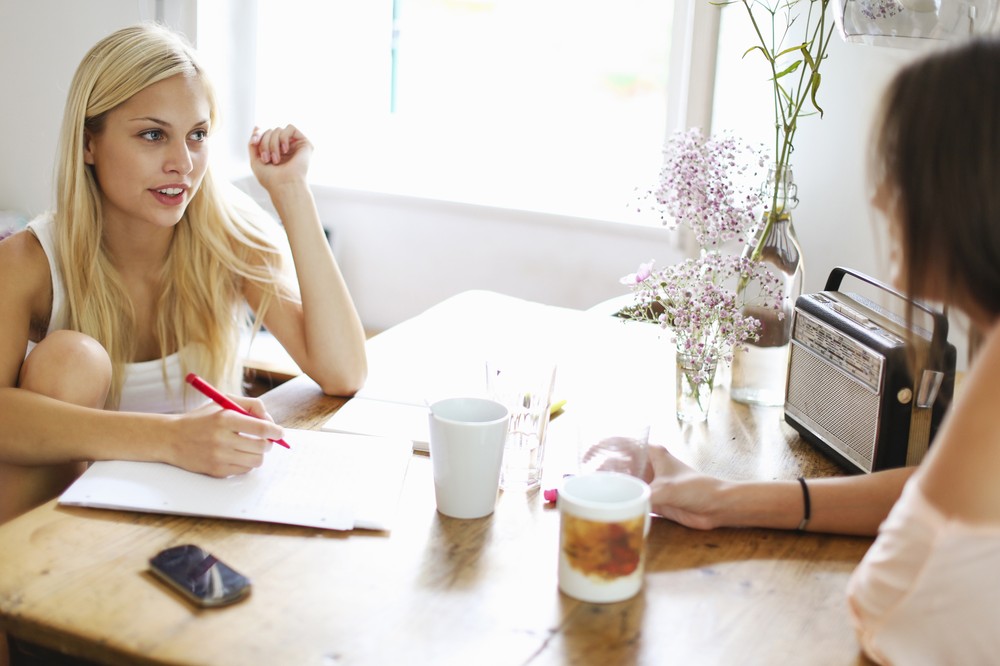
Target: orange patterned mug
[{"x": 605, "y": 519}]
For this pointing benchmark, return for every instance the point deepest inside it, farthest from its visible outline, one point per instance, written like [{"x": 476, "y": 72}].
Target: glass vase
[
  {"x": 760, "y": 371},
  {"x": 695, "y": 380}
]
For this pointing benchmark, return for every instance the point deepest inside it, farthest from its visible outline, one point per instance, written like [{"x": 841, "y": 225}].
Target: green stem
[
  {"x": 786, "y": 124},
  {"x": 694, "y": 388},
  {"x": 690, "y": 366}
]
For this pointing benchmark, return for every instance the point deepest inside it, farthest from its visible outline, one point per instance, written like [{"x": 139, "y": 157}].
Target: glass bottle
[{"x": 760, "y": 371}]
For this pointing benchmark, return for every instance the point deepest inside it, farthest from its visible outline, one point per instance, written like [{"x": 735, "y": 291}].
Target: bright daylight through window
[{"x": 557, "y": 106}]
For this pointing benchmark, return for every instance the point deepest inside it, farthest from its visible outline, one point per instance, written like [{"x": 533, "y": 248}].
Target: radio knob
[{"x": 904, "y": 396}]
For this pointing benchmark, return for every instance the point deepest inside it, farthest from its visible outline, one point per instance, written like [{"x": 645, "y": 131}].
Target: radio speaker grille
[{"x": 844, "y": 408}]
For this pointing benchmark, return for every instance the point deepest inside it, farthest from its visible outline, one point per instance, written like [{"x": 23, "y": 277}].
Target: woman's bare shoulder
[{"x": 24, "y": 269}]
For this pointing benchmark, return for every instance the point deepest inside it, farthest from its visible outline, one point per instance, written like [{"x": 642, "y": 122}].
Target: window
[{"x": 557, "y": 106}]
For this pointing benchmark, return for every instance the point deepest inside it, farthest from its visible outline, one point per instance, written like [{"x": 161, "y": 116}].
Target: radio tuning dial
[{"x": 904, "y": 396}]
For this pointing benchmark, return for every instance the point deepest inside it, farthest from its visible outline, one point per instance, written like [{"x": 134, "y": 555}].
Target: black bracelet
[{"x": 807, "y": 513}]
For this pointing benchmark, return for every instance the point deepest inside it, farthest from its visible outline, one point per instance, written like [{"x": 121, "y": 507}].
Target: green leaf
[
  {"x": 815, "y": 89},
  {"x": 788, "y": 70},
  {"x": 797, "y": 47},
  {"x": 809, "y": 58},
  {"x": 757, "y": 48}
]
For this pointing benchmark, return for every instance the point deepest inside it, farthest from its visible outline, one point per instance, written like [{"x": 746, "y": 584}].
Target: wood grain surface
[{"x": 438, "y": 590}]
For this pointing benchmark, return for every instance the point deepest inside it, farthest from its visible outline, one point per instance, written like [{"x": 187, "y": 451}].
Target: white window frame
[{"x": 692, "y": 60}]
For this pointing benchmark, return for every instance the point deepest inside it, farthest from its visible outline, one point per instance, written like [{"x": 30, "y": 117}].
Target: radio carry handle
[{"x": 939, "y": 336}]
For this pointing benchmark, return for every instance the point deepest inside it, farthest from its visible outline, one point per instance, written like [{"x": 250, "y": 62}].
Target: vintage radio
[{"x": 850, "y": 391}]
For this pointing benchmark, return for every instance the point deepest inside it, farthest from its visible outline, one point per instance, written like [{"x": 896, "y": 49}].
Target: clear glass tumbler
[{"x": 525, "y": 388}]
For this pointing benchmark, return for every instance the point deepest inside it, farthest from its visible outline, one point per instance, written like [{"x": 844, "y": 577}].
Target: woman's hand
[
  {"x": 222, "y": 442},
  {"x": 679, "y": 492},
  {"x": 280, "y": 155}
]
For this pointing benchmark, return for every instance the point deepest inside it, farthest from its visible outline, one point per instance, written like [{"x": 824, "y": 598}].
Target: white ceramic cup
[
  {"x": 467, "y": 438},
  {"x": 604, "y": 521}
]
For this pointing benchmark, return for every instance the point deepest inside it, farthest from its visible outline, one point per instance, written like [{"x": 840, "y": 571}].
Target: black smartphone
[{"x": 198, "y": 575}]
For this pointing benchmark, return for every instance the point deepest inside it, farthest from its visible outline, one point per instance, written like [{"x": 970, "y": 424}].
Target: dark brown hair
[{"x": 937, "y": 152}]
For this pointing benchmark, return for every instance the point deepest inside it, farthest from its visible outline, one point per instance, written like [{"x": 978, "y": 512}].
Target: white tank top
[{"x": 144, "y": 389}]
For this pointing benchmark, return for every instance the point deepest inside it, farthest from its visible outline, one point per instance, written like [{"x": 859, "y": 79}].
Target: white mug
[
  {"x": 467, "y": 438},
  {"x": 604, "y": 521}
]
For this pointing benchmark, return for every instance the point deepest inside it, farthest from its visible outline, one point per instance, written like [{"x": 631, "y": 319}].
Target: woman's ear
[{"x": 88, "y": 153}]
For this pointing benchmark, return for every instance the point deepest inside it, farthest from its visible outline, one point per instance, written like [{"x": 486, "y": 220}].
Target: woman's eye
[
  {"x": 199, "y": 135},
  {"x": 152, "y": 135}
]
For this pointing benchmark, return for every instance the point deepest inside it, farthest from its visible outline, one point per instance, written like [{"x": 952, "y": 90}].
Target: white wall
[
  {"x": 834, "y": 220},
  {"x": 400, "y": 255}
]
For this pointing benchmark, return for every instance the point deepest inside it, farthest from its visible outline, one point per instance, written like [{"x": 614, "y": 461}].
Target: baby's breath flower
[
  {"x": 879, "y": 9},
  {"x": 710, "y": 185},
  {"x": 696, "y": 301}
]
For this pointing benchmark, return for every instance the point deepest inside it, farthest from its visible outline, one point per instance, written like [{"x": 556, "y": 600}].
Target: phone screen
[{"x": 200, "y": 576}]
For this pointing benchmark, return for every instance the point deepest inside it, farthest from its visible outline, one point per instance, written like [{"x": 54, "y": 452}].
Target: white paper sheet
[
  {"x": 325, "y": 480},
  {"x": 368, "y": 416}
]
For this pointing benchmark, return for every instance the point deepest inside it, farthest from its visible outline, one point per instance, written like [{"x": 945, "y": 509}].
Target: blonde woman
[{"x": 149, "y": 268}]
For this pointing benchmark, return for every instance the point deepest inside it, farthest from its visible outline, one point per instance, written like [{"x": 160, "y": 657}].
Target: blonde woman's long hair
[{"x": 221, "y": 241}]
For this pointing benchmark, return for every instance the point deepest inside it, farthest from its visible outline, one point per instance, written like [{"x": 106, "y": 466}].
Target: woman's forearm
[
  {"x": 38, "y": 430},
  {"x": 334, "y": 338},
  {"x": 841, "y": 505}
]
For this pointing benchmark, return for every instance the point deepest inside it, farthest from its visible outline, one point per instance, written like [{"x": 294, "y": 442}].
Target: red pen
[{"x": 221, "y": 400}]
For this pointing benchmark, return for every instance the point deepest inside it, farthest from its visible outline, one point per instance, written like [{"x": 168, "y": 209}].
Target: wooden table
[{"x": 443, "y": 591}]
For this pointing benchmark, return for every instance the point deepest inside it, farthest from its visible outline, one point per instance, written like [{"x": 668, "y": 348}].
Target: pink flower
[{"x": 640, "y": 276}]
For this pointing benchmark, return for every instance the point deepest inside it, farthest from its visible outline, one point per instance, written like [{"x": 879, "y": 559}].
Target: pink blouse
[{"x": 928, "y": 590}]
